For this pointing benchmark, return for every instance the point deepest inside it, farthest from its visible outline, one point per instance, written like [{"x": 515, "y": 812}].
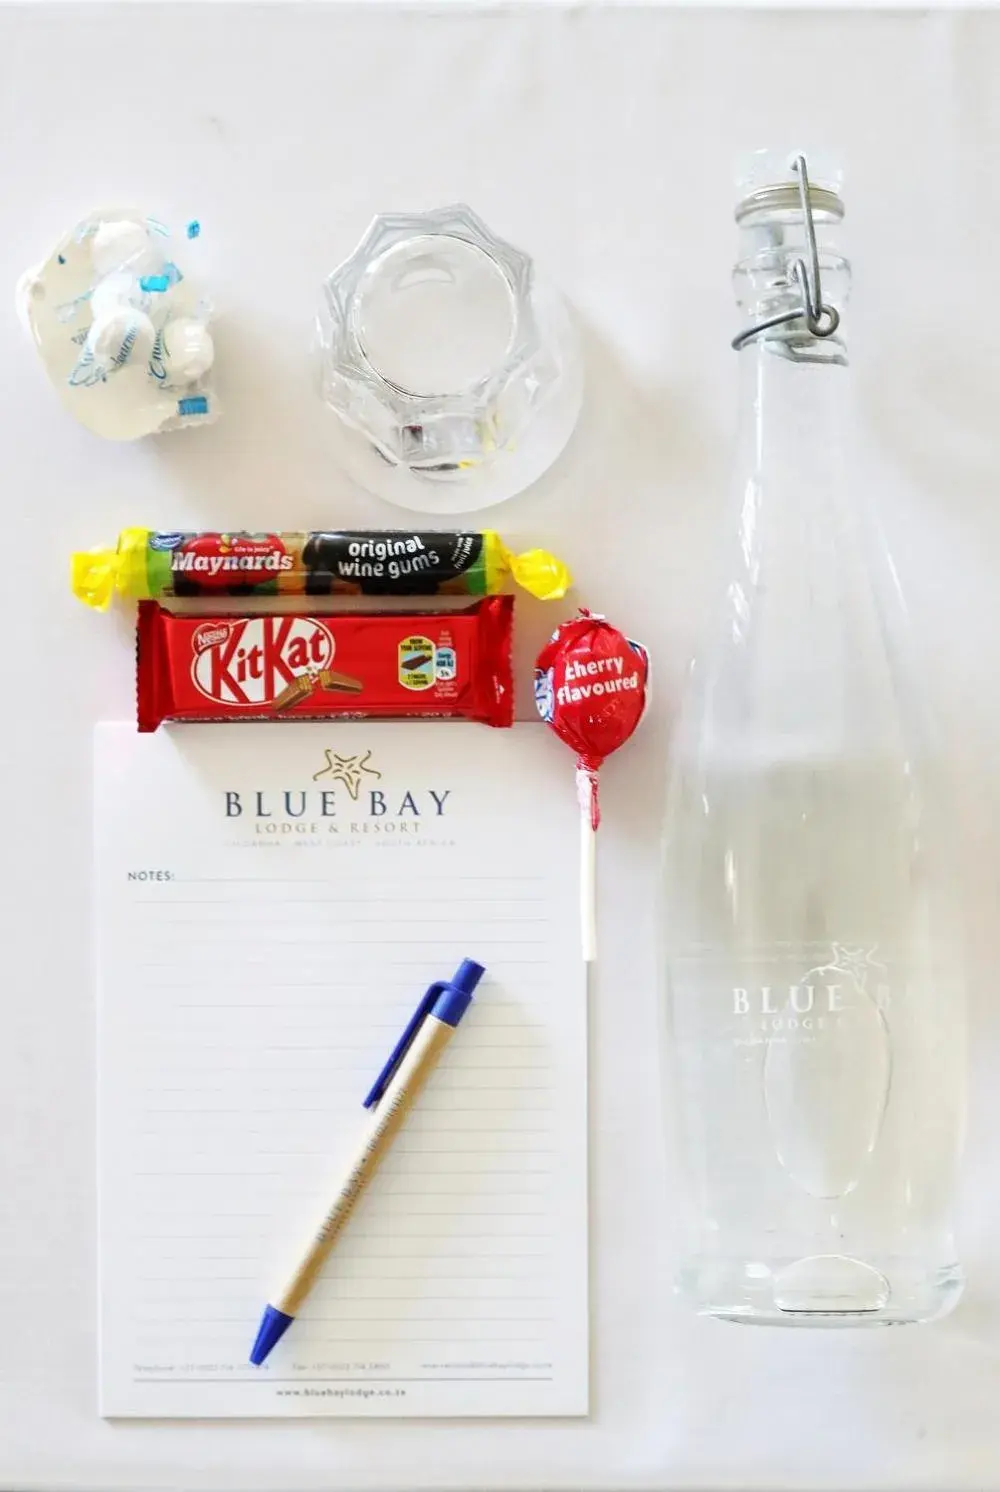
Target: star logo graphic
[
  {"x": 855, "y": 963},
  {"x": 350, "y": 770}
]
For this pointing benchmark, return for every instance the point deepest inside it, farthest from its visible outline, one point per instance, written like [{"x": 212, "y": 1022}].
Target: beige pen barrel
[{"x": 387, "y": 1119}]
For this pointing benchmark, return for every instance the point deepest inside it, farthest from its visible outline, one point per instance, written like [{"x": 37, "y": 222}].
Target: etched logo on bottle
[{"x": 816, "y": 1001}]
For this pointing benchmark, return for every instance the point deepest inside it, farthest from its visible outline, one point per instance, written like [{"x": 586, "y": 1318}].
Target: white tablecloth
[{"x": 604, "y": 142}]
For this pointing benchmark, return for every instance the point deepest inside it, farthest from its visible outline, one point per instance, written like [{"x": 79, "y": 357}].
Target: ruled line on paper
[
  {"x": 463, "y": 878},
  {"x": 370, "y": 1378},
  {"x": 336, "y": 899}
]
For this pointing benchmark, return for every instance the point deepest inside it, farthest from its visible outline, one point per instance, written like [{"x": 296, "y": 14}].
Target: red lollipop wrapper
[{"x": 591, "y": 688}]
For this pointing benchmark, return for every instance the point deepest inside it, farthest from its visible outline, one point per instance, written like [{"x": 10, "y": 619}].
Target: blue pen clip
[{"x": 447, "y": 1000}]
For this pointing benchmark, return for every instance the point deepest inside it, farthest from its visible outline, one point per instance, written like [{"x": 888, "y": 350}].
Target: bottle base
[{"x": 823, "y": 1290}]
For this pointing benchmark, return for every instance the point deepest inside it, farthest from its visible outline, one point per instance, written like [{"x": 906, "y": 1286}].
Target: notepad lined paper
[{"x": 272, "y": 901}]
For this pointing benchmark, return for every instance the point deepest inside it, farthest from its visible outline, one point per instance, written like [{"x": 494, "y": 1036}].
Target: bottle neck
[
  {"x": 796, "y": 563},
  {"x": 792, "y": 377},
  {"x": 792, "y": 286},
  {"x": 792, "y": 414},
  {"x": 800, "y": 669}
]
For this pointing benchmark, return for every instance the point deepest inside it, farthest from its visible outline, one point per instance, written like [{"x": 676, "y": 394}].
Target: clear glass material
[
  {"x": 453, "y": 368},
  {"x": 814, "y": 1006}
]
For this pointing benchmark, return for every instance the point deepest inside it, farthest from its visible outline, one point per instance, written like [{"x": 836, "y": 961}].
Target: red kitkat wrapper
[{"x": 297, "y": 666}]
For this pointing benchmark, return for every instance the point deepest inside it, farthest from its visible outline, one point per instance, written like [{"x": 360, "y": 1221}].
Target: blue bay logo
[{"x": 345, "y": 788}]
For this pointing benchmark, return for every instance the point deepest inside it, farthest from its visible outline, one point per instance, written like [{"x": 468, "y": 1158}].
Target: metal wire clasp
[{"x": 821, "y": 319}]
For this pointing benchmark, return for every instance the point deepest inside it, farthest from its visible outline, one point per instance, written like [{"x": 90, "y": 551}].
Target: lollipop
[{"x": 591, "y": 688}]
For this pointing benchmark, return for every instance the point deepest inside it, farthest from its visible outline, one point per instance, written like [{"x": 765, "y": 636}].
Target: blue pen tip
[{"x": 273, "y": 1326}]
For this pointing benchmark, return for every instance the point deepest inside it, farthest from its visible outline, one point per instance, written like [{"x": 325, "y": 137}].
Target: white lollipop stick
[{"x": 586, "y": 788}]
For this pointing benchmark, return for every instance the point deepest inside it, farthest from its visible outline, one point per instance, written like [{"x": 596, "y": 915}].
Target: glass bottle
[{"x": 814, "y": 1008}]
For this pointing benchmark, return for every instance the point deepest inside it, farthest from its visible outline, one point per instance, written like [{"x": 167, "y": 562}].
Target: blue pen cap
[
  {"x": 453, "y": 1001},
  {"x": 447, "y": 1001}
]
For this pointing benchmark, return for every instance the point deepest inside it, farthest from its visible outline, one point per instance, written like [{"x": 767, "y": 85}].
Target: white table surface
[{"x": 604, "y": 142}]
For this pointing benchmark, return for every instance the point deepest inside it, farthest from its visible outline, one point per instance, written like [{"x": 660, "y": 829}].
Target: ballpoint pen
[{"x": 396, "y": 1087}]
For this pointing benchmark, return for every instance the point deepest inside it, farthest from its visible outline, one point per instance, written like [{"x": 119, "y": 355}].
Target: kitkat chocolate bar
[{"x": 374, "y": 665}]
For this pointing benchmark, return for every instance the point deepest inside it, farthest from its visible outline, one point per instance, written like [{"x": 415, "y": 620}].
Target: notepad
[{"x": 272, "y": 900}]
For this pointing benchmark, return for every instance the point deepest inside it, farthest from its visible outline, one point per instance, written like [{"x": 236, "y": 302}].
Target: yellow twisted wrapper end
[
  {"x": 94, "y": 576},
  {"x": 98, "y": 573},
  {"x": 536, "y": 571}
]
